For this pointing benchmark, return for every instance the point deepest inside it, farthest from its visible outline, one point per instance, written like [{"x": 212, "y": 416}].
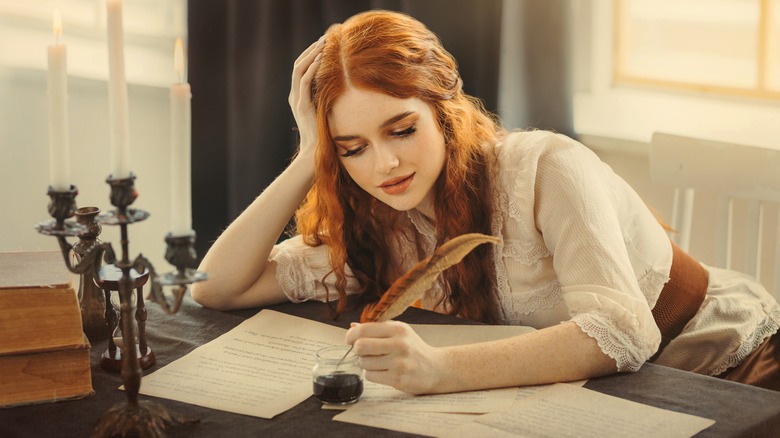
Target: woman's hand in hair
[
  {"x": 300, "y": 96},
  {"x": 392, "y": 354}
]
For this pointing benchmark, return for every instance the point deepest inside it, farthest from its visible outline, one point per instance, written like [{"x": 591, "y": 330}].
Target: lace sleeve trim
[
  {"x": 629, "y": 351},
  {"x": 298, "y": 284}
]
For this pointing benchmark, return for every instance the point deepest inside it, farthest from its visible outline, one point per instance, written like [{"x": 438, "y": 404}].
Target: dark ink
[{"x": 339, "y": 387}]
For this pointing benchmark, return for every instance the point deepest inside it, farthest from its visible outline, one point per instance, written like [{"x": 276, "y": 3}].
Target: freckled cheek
[{"x": 359, "y": 175}]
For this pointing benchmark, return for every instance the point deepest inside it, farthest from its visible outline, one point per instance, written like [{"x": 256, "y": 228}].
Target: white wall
[{"x": 24, "y": 160}]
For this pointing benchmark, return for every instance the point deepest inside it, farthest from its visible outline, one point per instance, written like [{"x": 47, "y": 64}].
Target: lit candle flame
[
  {"x": 178, "y": 59},
  {"x": 57, "y": 24}
]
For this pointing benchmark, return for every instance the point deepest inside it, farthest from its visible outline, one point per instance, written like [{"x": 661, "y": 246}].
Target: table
[{"x": 739, "y": 410}]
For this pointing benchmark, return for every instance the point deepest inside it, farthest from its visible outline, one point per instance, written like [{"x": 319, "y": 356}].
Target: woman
[{"x": 394, "y": 159}]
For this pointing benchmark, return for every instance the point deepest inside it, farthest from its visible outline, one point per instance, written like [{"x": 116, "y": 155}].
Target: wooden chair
[{"x": 739, "y": 175}]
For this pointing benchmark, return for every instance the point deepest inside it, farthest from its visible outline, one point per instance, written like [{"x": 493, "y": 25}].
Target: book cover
[
  {"x": 43, "y": 377},
  {"x": 39, "y": 309},
  {"x": 44, "y": 355}
]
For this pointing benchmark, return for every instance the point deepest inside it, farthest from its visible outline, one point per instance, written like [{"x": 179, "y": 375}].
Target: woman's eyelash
[
  {"x": 352, "y": 152},
  {"x": 406, "y": 132}
]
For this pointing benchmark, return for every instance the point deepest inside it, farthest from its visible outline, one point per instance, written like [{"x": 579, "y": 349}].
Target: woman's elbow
[
  {"x": 263, "y": 292},
  {"x": 204, "y": 295}
]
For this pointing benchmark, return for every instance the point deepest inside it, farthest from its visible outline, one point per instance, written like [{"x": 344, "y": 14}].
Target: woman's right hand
[{"x": 300, "y": 96}]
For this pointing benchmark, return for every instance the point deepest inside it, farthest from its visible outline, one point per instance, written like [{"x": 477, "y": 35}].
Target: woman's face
[{"x": 392, "y": 148}]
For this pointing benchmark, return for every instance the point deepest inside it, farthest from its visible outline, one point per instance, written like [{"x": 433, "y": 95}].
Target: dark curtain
[
  {"x": 241, "y": 54},
  {"x": 536, "y": 84}
]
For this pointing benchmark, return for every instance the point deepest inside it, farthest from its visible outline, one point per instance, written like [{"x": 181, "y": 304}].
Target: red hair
[{"x": 392, "y": 53}]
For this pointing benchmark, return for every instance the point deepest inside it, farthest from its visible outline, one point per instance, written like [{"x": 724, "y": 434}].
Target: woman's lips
[{"x": 397, "y": 185}]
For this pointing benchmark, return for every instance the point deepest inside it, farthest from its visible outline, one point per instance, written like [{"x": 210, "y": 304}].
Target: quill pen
[{"x": 411, "y": 286}]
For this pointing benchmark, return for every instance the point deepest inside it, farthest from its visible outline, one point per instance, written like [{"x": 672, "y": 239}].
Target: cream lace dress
[{"x": 577, "y": 244}]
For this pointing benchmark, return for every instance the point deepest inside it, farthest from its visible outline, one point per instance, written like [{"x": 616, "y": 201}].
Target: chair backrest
[{"x": 749, "y": 174}]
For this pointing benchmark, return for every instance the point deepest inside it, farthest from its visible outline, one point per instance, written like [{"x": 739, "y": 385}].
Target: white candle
[
  {"x": 117, "y": 93},
  {"x": 59, "y": 160},
  {"x": 180, "y": 96}
]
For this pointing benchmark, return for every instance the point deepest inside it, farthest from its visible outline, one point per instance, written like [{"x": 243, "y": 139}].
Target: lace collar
[{"x": 421, "y": 223}]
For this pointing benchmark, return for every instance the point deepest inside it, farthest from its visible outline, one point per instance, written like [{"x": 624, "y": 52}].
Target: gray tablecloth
[{"x": 739, "y": 410}]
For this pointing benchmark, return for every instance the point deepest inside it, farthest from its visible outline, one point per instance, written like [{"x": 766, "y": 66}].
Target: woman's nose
[{"x": 386, "y": 159}]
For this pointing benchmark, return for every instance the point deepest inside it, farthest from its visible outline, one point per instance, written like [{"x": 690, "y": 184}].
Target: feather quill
[{"x": 411, "y": 286}]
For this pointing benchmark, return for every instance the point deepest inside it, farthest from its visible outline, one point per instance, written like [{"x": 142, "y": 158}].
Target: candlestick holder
[
  {"x": 111, "y": 360},
  {"x": 180, "y": 252},
  {"x": 133, "y": 418},
  {"x": 62, "y": 206},
  {"x": 94, "y": 319}
]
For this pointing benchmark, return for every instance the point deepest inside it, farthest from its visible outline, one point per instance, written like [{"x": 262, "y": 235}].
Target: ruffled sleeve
[
  {"x": 303, "y": 271},
  {"x": 578, "y": 212}
]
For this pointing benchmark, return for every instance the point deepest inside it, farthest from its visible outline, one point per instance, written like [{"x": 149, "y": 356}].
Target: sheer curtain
[{"x": 241, "y": 57}]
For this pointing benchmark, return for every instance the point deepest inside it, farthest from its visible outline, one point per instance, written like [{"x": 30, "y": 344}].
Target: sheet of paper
[
  {"x": 409, "y": 414},
  {"x": 472, "y": 402},
  {"x": 569, "y": 411},
  {"x": 260, "y": 368},
  {"x": 420, "y": 423},
  {"x": 470, "y": 429}
]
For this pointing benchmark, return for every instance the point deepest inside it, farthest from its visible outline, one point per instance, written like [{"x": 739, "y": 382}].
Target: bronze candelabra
[{"x": 133, "y": 418}]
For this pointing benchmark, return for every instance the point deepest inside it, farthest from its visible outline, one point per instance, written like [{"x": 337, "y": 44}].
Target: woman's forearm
[
  {"x": 561, "y": 353},
  {"x": 238, "y": 259},
  {"x": 393, "y": 354}
]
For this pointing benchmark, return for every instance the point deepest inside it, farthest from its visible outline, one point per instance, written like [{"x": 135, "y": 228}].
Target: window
[
  {"x": 150, "y": 29},
  {"x": 713, "y": 46},
  {"x": 635, "y": 77}
]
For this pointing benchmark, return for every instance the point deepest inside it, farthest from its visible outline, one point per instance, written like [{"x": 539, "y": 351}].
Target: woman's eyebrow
[
  {"x": 384, "y": 124},
  {"x": 395, "y": 118}
]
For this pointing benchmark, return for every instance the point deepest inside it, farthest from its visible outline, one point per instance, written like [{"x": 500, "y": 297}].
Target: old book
[
  {"x": 44, "y": 355},
  {"x": 48, "y": 376}
]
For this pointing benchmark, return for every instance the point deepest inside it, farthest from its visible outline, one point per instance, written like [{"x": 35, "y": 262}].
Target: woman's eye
[
  {"x": 405, "y": 133},
  {"x": 353, "y": 152}
]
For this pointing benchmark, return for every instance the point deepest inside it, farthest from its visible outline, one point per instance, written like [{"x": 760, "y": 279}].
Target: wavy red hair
[{"x": 395, "y": 54}]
